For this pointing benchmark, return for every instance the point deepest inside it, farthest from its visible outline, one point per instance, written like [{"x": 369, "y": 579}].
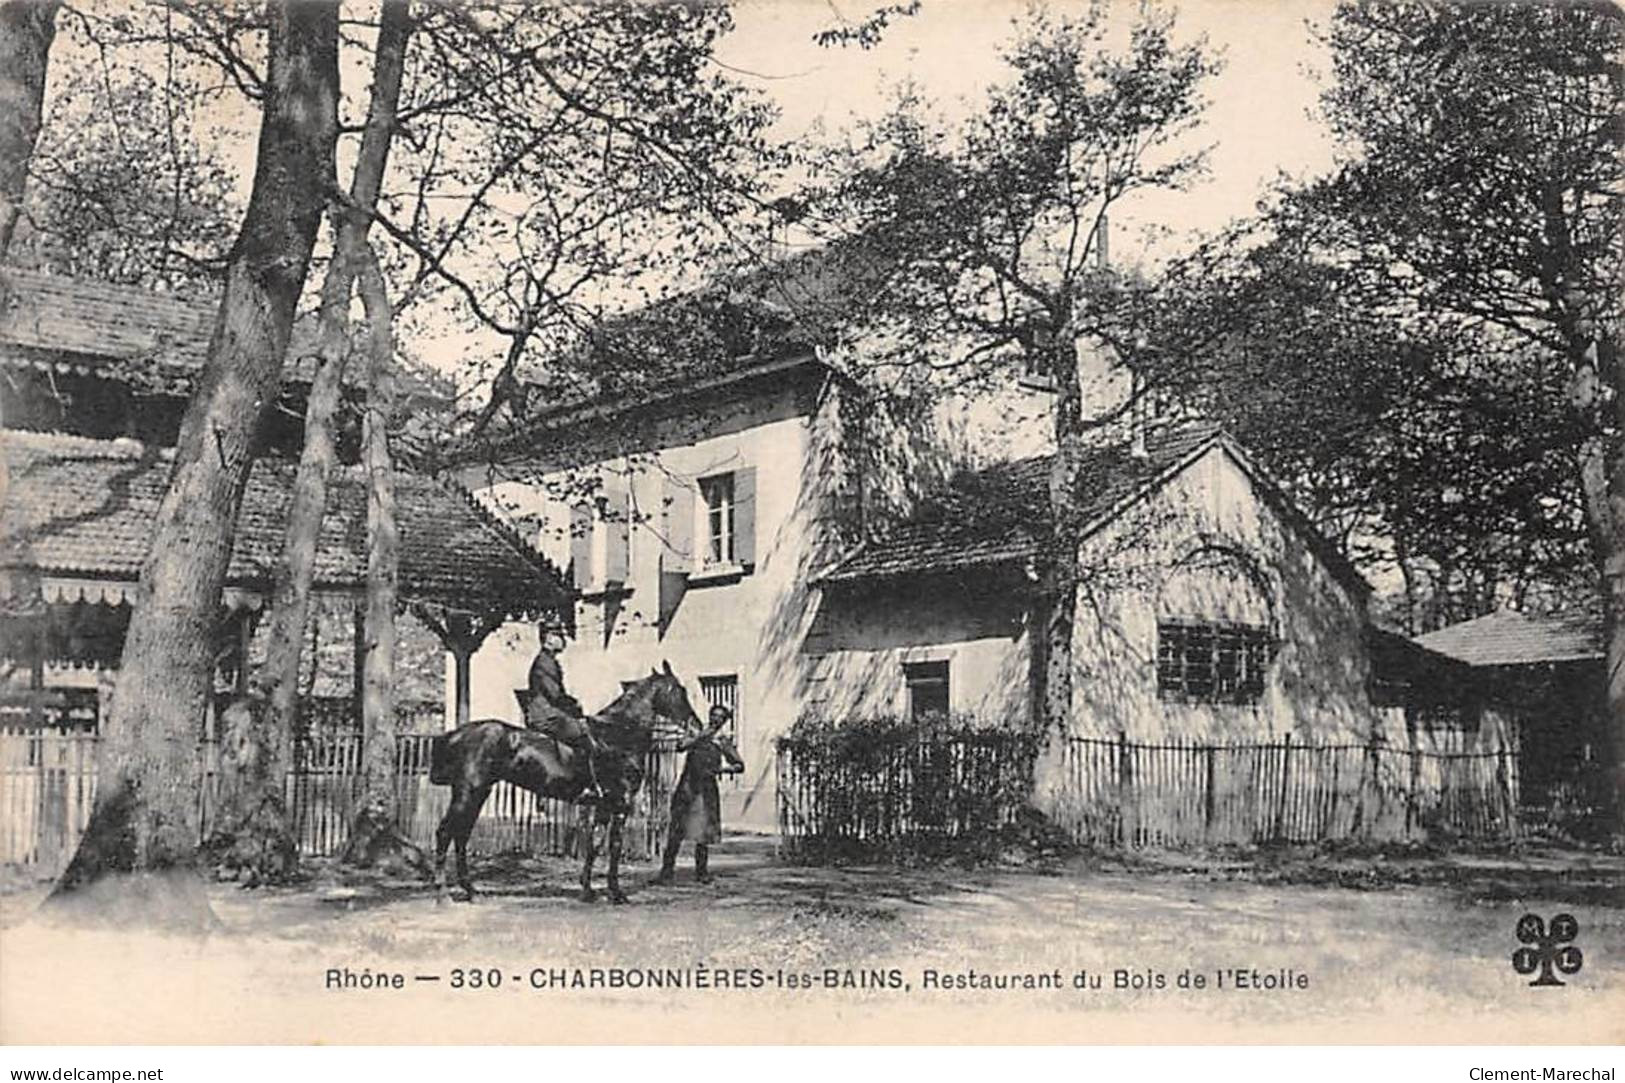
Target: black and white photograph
[{"x": 859, "y": 522}]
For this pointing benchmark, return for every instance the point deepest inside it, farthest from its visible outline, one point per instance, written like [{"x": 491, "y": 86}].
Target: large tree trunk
[
  {"x": 256, "y": 836},
  {"x": 27, "y": 28},
  {"x": 1062, "y": 584},
  {"x": 1602, "y": 480},
  {"x": 136, "y": 863},
  {"x": 374, "y": 841}
]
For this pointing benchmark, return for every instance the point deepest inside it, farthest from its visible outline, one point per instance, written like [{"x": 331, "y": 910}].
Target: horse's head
[{"x": 669, "y": 699}]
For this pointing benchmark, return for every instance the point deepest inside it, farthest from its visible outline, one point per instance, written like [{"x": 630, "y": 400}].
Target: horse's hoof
[
  {"x": 589, "y": 895},
  {"x": 618, "y": 898}
]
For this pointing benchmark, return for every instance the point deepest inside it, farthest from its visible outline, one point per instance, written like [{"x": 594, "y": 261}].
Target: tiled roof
[
  {"x": 81, "y": 507},
  {"x": 1509, "y": 638},
  {"x": 1001, "y": 515},
  {"x": 83, "y": 326}
]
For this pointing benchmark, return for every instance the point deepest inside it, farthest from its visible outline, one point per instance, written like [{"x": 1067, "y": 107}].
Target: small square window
[{"x": 927, "y": 689}]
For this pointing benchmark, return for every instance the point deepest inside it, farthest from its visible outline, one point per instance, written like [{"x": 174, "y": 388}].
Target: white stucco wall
[
  {"x": 750, "y": 626},
  {"x": 1208, "y": 547},
  {"x": 1137, "y": 571},
  {"x": 866, "y": 635}
]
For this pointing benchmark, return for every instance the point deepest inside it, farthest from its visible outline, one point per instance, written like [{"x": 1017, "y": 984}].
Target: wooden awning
[{"x": 76, "y": 516}]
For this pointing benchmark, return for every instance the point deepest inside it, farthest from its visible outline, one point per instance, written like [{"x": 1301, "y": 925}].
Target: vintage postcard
[{"x": 812, "y": 522}]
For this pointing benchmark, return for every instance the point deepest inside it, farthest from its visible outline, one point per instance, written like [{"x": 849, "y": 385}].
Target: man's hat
[{"x": 553, "y": 622}]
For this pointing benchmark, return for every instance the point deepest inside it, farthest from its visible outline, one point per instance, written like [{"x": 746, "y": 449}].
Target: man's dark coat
[{"x": 696, "y": 806}]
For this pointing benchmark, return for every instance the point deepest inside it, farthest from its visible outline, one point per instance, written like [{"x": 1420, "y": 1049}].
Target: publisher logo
[{"x": 1550, "y": 952}]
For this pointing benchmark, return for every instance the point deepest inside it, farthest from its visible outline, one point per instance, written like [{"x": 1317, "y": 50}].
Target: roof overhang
[{"x": 513, "y": 443}]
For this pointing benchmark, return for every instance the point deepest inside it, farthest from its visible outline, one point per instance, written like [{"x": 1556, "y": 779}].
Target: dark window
[
  {"x": 718, "y": 494},
  {"x": 927, "y": 689},
  {"x": 1212, "y": 663}
]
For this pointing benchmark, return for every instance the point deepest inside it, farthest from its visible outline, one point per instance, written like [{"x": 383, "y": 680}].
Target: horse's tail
[{"x": 440, "y": 771}]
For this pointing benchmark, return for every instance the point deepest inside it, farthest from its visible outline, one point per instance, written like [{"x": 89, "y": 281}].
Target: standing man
[
  {"x": 552, "y": 710},
  {"x": 696, "y": 806}
]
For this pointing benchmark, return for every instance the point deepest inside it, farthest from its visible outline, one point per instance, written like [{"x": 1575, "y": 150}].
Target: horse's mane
[{"x": 620, "y": 724}]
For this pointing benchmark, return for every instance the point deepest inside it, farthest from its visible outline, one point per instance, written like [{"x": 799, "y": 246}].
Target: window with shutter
[
  {"x": 727, "y": 520},
  {"x": 717, "y": 492}
]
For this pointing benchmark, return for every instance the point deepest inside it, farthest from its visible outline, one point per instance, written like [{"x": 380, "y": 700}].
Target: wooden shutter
[
  {"x": 581, "y": 547},
  {"x": 745, "y": 515},
  {"x": 618, "y": 535},
  {"x": 677, "y": 527}
]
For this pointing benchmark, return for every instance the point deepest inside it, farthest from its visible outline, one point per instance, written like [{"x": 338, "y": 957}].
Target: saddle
[{"x": 569, "y": 730}]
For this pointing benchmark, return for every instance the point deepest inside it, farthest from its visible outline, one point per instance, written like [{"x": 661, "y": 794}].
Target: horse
[{"x": 474, "y": 757}]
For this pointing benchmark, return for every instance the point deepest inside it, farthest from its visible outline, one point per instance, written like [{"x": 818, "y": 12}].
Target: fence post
[
  {"x": 1125, "y": 782},
  {"x": 1415, "y": 784},
  {"x": 1503, "y": 778},
  {"x": 1207, "y": 793},
  {"x": 779, "y": 798},
  {"x": 1280, "y": 803}
]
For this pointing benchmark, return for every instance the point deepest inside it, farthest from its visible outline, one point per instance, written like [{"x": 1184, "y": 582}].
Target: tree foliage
[
  {"x": 124, "y": 189},
  {"x": 977, "y": 247},
  {"x": 1465, "y": 278},
  {"x": 1438, "y": 457}
]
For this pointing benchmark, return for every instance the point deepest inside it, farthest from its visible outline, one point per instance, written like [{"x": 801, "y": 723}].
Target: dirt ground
[{"x": 1357, "y": 948}]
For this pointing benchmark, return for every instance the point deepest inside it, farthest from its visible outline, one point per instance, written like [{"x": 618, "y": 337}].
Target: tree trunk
[
  {"x": 260, "y": 828},
  {"x": 137, "y": 861},
  {"x": 27, "y": 28},
  {"x": 1602, "y": 480},
  {"x": 374, "y": 840},
  {"x": 1064, "y": 480}
]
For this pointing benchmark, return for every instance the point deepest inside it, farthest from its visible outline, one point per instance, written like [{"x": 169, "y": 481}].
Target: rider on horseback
[{"x": 552, "y": 710}]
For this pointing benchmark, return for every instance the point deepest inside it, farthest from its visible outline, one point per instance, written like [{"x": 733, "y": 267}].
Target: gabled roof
[
  {"x": 1509, "y": 638},
  {"x": 74, "y": 325},
  {"x": 1001, "y": 515},
  {"x": 77, "y": 508}
]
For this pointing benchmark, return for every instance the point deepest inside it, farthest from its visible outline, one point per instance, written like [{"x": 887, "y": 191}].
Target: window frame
[
  {"x": 727, "y": 510},
  {"x": 1213, "y": 662},
  {"x": 922, "y": 674}
]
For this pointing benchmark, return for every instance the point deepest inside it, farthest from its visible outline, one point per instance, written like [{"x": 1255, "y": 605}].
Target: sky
[
  {"x": 1259, "y": 121},
  {"x": 1258, "y": 125}
]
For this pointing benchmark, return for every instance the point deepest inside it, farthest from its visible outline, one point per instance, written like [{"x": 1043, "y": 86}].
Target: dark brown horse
[{"x": 473, "y": 758}]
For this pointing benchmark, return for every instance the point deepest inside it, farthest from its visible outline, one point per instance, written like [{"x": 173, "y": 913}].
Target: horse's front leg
[
  {"x": 589, "y": 842},
  {"x": 442, "y": 841},
  {"x": 462, "y": 863},
  {"x": 616, "y": 895}
]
